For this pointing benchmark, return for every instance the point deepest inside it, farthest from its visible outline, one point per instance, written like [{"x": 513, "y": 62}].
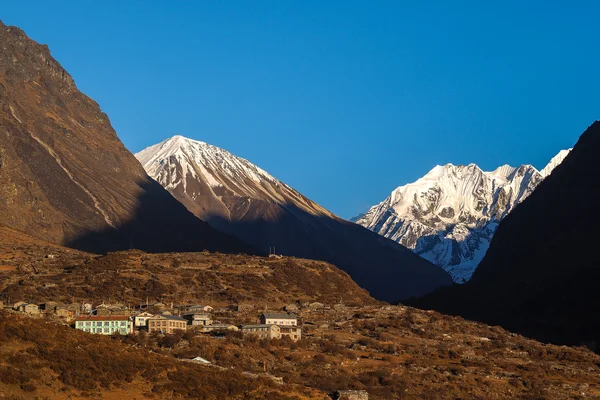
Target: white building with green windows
[{"x": 105, "y": 325}]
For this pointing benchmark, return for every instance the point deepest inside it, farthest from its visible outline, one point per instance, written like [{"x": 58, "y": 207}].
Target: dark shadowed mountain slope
[
  {"x": 237, "y": 197},
  {"x": 541, "y": 273},
  {"x": 65, "y": 176}
]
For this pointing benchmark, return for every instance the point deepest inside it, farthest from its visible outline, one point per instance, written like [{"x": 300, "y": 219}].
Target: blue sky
[{"x": 343, "y": 100}]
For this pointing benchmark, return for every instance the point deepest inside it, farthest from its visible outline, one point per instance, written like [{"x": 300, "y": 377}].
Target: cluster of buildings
[
  {"x": 273, "y": 325},
  {"x": 106, "y": 319},
  {"x": 65, "y": 311}
]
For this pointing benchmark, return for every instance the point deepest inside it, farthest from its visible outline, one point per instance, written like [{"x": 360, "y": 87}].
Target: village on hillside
[
  {"x": 161, "y": 319},
  {"x": 110, "y": 319}
]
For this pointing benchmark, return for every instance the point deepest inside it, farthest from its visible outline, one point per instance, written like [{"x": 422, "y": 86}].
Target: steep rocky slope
[
  {"x": 64, "y": 174},
  {"x": 540, "y": 275},
  {"x": 237, "y": 197},
  {"x": 451, "y": 214}
]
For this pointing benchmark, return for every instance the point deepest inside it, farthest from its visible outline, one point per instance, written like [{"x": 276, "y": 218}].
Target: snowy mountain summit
[
  {"x": 450, "y": 215},
  {"x": 209, "y": 180}
]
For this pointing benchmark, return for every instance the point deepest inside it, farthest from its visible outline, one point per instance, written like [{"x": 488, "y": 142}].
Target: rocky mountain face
[
  {"x": 540, "y": 275},
  {"x": 451, "y": 214},
  {"x": 237, "y": 197},
  {"x": 65, "y": 176}
]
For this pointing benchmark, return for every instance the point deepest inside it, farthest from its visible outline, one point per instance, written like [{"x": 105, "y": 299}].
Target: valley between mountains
[{"x": 239, "y": 198}]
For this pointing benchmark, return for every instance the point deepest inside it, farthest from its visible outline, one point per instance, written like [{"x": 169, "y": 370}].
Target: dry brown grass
[
  {"x": 133, "y": 276},
  {"x": 37, "y": 356}
]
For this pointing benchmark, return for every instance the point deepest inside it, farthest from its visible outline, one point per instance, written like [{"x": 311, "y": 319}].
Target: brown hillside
[
  {"x": 33, "y": 270},
  {"x": 42, "y": 361},
  {"x": 391, "y": 352},
  {"x": 65, "y": 176}
]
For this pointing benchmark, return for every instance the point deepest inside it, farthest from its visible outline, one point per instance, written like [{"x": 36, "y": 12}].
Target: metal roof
[{"x": 279, "y": 315}]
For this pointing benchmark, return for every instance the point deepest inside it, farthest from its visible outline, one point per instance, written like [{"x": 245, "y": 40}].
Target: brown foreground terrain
[
  {"x": 389, "y": 351},
  {"x": 392, "y": 352},
  {"x": 48, "y": 361}
]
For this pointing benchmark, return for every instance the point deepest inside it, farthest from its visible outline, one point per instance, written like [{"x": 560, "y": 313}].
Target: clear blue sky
[{"x": 343, "y": 100}]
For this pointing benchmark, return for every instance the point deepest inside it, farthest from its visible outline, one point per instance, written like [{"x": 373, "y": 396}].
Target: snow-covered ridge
[
  {"x": 449, "y": 215},
  {"x": 554, "y": 162},
  {"x": 197, "y": 170}
]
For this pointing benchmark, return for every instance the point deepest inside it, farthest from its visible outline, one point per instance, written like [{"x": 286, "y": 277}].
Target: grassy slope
[{"x": 132, "y": 276}]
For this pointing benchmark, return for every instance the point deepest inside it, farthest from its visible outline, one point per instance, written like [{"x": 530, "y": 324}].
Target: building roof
[
  {"x": 276, "y": 315},
  {"x": 169, "y": 317},
  {"x": 144, "y": 314},
  {"x": 102, "y": 318},
  {"x": 218, "y": 326},
  {"x": 258, "y": 326}
]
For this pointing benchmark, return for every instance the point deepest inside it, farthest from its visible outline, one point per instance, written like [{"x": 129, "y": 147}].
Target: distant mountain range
[
  {"x": 450, "y": 215},
  {"x": 237, "y": 197},
  {"x": 540, "y": 275},
  {"x": 65, "y": 176}
]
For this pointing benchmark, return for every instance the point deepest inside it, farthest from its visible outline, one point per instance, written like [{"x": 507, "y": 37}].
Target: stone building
[
  {"x": 288, "y": 324},
  {"x": 27, "y": 308},
  {"x": 278, "y": 318},
  {"x": 199, "y": 308},
  {"x": 198, "y": 319},
  {"x": 166, "y": 324},
  {"x": 141, "y": 319},
  {"x": 262, "y": 331}
]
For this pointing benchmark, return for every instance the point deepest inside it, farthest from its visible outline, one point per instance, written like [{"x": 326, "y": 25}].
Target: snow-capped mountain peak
[
  {"x": 450, "y": 215},
  {"x": 192, "y": 169},
  {"x": 196, "y": 157}
]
